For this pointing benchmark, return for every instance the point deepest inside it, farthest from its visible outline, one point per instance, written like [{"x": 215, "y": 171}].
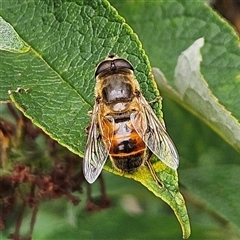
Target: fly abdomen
[
  {"x": 126, "y": 146},
  {"x": 128, "y": 163}
]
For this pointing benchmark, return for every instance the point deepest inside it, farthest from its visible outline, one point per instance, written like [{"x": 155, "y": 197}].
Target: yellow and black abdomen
[{"x": 127, "y": 147}]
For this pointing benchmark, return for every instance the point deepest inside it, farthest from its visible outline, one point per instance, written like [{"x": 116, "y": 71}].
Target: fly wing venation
[{"x": 154, "y": 134}]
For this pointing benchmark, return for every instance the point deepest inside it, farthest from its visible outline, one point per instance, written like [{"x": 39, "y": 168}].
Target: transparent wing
[
  {"x": 154, "y": 134},
  {"x": 96, "y": 152}
]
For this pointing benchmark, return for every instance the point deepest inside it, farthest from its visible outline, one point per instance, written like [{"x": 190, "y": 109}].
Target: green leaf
[
  {"x": 169, "y": 194},
  {"x": 53, "y": 83},
  {"x": 192, "y": 90},
  {"x": 217, "y": 187},
  {"x": 65, "y": 49},
  {"x": 166, "y": 29},
  {"x": 173, "y": 26}
]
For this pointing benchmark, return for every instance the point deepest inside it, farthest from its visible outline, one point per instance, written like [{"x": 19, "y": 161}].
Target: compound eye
[
  {"x": 113, "y": 65},
  {"x": 103, "y": 66},
  {"x": 121, "y": 63}
]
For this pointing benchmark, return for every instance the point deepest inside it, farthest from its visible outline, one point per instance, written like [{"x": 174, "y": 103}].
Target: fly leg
[
  {"x": 158, "y": 98},
  {"x": 155, "y": 177}
]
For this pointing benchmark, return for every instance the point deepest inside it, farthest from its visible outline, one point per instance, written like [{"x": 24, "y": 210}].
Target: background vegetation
[{"x": 209, "y": 164}]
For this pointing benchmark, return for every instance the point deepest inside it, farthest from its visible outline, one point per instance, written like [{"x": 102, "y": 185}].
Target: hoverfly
[{"x": 124, "y": 126}]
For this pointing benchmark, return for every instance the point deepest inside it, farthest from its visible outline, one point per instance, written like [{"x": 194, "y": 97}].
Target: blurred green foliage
[{"x": 209, "y": 167}]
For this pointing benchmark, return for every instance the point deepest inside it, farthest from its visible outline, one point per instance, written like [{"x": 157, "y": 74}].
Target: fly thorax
[{"x": 117, "y": 89}]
